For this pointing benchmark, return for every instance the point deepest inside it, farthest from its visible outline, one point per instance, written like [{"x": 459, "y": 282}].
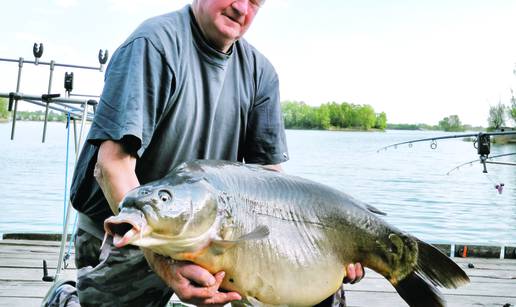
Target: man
[{"x": 183, "y": 86}]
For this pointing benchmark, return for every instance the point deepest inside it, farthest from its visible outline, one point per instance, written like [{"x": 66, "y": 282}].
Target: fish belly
[
  {"x": 296, "y": 265},
  {"x": 285, "y": 283}
]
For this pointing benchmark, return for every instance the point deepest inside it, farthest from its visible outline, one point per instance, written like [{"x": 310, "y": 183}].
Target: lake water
[{"x": 410, "y": 184}]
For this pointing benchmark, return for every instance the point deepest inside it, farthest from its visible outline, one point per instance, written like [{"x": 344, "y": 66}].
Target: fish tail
[
  {"x": 433, "y": 268},
  {"x": 438, "y": 268},
  {"x": 417, "y": 292}
]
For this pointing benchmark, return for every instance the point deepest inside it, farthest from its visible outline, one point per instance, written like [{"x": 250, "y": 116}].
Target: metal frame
[
  {"x": 16, "y": 96},
  {"x": 77, "y": 108}
]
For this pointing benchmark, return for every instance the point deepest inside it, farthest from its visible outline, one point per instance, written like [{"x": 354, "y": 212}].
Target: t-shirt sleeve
[
  {"x": 137, "y": 86},
  {"x": 265, "y": 137}
]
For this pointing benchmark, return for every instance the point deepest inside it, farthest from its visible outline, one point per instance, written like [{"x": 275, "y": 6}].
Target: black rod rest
[
  {"x": 46, "y": 277},
  {"x": 37, "y": 51},
  {"x": 103, "y": 56},
  {"x": 48, "y": 97},
  {"x": 12, "y": 97}
]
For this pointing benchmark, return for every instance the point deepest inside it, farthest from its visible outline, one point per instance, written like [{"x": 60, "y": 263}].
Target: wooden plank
[
  {"x": 33, "y": 255},
  {"x": 482, "y": 262},
  {"x": 24, "y": 288},
  {"x": 34, "y": 236},
  {"x": 354, "y": 298},
  {"x": 493, "y": 281},
  {"x": 21, "y": 276},
  {"x": 35, "y": 250},
  {"x": 12, "y": 262},
  {"x": 505, "y": 289},
  {"x": 496, "y": 276},
  {"x": 20, "y": 301},
  {"x": 485, "y": 260},
  {"x": 35, "y": 273},
  {"x": 368, "y": 298},
  {"x": 485, "y": 276},
  {"x": 6, "y": 247},
  {"x": 30, "y": 242},
  {"x": 25, "y": 274}
]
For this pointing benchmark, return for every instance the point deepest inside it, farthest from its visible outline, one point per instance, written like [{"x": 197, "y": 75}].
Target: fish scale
[
  {"x": 252, "y": 202},
  {"x": 281, "y": 239}
]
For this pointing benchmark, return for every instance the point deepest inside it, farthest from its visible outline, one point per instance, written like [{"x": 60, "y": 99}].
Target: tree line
[
  {"x": 444, "y": 125},
  {"x": 4, "y": 113},
  {"x": 331, "y": 115},
  {"x": 500, "y": 114},
  {"x": 29, "y": 115},
  {"x": 296, "y": 115}
]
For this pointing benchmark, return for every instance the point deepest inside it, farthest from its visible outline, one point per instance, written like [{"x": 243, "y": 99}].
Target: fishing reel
[{"x": 483, "y": 146}]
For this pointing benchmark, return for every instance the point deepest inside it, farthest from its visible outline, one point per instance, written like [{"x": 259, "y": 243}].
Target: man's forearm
[{"x": 115, "y": 172}]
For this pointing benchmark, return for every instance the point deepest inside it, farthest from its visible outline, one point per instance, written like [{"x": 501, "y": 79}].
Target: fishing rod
[
  {"x": 487, "y": 161},
  {"x": 497, "y": 185},
  {"x": 482, "y": 143},
  {"x": 433, "y": 145}
]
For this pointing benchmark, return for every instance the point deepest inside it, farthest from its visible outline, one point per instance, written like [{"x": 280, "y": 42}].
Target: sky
[{"x": 417, "y": 61}]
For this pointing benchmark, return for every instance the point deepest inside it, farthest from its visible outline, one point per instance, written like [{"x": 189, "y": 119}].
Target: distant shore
[
  {"x": 508, "y": 139},
  {"x": 339, "y": 129},
  {"x": 504, "y": 139}
]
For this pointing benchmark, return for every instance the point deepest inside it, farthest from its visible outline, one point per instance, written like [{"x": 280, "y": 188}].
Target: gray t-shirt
[{"x": 170, "y": 97}]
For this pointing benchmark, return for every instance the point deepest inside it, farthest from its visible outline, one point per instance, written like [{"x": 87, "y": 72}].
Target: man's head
[{"x": 224, "y": 21}]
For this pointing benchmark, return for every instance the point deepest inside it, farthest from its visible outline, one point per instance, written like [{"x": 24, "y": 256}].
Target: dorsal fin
[{"x": 374, "y": 209}]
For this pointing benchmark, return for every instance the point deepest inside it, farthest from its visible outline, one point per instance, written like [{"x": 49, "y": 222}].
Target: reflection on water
[{"x": 410, "y": 184}]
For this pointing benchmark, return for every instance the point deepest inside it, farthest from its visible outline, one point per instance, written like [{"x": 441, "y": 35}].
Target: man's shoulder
[
  {"x": 254, "y": 56},
  {"x": 163, "y": 30},
  {"x": 259, "y": 64}
]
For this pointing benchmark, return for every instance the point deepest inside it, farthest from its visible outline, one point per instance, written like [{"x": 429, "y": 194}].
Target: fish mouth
[{"x": 126, "y": 227}]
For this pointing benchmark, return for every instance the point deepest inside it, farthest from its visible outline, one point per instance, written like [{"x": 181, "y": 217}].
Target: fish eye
[
  {"x": 164, "y": 195},
  {"x": 144, "y": 192}
]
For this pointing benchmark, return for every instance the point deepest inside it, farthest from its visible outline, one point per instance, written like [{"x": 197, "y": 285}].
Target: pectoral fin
[{"x": 260, "y": 232}]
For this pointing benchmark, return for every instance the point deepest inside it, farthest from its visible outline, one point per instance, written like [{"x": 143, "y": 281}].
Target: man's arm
[{"x": 115, "y": 174}]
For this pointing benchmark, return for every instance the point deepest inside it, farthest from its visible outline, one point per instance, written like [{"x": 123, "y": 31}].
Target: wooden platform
[{"x": 493, "y": 280}]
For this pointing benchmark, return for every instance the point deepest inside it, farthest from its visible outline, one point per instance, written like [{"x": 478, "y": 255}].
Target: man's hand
[
  {"x": 195, "y": 285},
  {"x": 190, "y": 282},
  {"x": 354, "y": 273}
]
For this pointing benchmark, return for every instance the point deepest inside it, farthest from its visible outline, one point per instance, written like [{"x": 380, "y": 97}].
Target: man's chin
[
  {"x": 226, "y": 37},
  {"x": 230, "y": 31}
]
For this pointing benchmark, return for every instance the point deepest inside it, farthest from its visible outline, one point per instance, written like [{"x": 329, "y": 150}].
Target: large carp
[{"x": 281, "y": 239}]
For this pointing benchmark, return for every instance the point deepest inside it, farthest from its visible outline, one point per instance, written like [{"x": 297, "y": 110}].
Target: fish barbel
[{"x": 281, "y": 239}]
